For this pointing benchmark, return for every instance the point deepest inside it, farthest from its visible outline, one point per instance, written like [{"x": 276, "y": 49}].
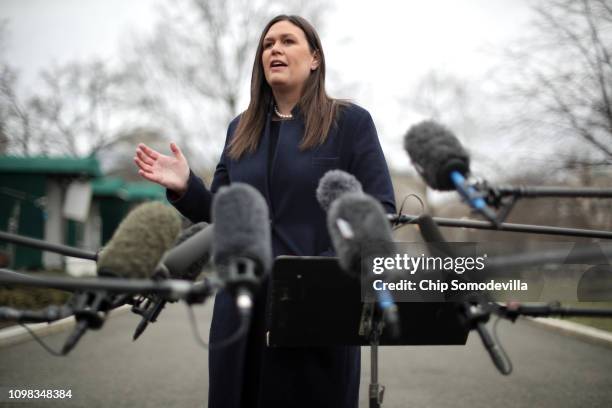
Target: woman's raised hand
[{"x": 171, "y": 172}]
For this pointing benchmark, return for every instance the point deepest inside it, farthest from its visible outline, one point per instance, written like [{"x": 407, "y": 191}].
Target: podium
[{"x": 312, "y": 302}]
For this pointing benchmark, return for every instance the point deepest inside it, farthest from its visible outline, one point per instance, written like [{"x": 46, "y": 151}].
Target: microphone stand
[
  {"x": 88, "y": 308},
  {"x": 513, "y": 310},
  {"x": 150, "y": 310},
  {"x": 476, "y": 312},
  {"x": 403, "y": 219},
  {"x": 371, "y": 326},
  {"x": 90, "y": 312},
  {"x": 475, "y": 309},
  {"x": 48, "y": 246},
  {"x": 505, "y": 197},
  {"x": 49, "y": 314},
  {"x": 95, "y": 297},
  {"x": 171, "y": 289},
  {"x": 532, "y": 192}
]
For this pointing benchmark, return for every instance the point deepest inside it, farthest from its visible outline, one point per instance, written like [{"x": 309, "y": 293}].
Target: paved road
[
  {"x": 163, "y": 368},
  {"x": 167, "y": 366}
]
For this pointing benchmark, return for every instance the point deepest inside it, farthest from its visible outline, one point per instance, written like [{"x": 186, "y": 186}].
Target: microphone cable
[
  {"x": 40, "y": 341},
  {"x": 397, "y": 223},
  {"x": 243, "y": 329}
]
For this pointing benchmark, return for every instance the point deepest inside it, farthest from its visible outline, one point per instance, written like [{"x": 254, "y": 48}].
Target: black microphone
[
  {"x": 359, "y": 230},
  {"x": 438, "y": 246},
  {"x": 443, "y": 163},
  {"x": 470, "y": 307},
  {"x": 242, "y": 249},
  {"x": 134, "y": 250},
  {"x": 436, "y": 243},
  {"x": 191, "y": 252},
  {"x": 476, "y": 317}
]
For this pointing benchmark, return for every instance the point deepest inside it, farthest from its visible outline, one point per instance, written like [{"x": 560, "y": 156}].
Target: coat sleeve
[
  {"x": 195, "y": 204},
  {"x": 367, "y": 163}
]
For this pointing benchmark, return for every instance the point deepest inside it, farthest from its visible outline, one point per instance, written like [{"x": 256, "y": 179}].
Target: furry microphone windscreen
[
  {"x": 333, "y": 185},
  {"x": 241, "y": 226},
  {"x": 435, "y": 153},
  {"x": 139, "y": 241},
  {"x": 369, "y": 228}
]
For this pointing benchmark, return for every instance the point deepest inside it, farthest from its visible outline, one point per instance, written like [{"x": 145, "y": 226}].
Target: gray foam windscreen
[
  {"x": 368, "y": 225},
  {"x": 333, "y": 185},
  {"x": 435, "y": 152},
  {"x": 241, "y": 226}
]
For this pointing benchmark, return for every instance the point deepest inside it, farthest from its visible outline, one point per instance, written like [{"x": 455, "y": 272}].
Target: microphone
[
  {"x": 191, "y": 252},
  {"x": 436, "y": 243},
  {"x": 133, "y": 252},
  {"x": 436, "y": 153},
  {"x": 242, "y": 249},
  {"x": 139, "y": 242},
  {"x": 443, "y": 163},
  {"x": 333, "y": 185},
  {"x": 359, "y": 229}
]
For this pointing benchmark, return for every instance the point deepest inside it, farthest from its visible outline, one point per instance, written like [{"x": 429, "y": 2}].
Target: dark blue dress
[{"x": 248, "y": 374}]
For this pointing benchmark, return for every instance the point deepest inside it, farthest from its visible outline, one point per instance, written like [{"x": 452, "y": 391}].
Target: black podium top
[{"x": 314, "y": 303}]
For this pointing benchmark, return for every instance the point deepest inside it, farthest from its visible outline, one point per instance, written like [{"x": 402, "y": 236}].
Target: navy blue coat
[{"x": 248, "y": 374}]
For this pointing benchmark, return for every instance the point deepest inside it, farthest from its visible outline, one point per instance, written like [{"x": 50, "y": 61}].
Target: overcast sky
[{"x": 382, "y": 49}]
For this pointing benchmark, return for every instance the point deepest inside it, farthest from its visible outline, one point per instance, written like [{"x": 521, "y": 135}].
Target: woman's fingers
[
  {"x": 144, "y": 158},
  {"x": 137, "y": 161},
  {"x": 143, "y": 166},
  {"x": 148, "y": 151},
  {"x": 176, "y": 151},
  {"x": 149, "y": 176}
]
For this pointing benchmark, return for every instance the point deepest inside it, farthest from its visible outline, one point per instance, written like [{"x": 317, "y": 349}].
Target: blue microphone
[{"x": 444, "y": 164}]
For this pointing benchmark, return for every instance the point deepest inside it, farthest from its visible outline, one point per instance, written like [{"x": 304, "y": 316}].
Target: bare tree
[
  {"x": 463, "y": 106},
  {"x": 83, "y": 107},
  {"x": 448, "y": 99},
  {"x": 118, "y": 159},
  {"x": 185, "y": 81},
  {"x": 194, "y": 70},
  {"x": 80, "y": 109},
  {"x": 559, "y": 78},
  {"x": 16, "y": 133},
  {"x": 558, "y": 82}
]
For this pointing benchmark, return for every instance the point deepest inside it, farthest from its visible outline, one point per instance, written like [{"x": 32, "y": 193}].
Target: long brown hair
[{"x": 317, "y": 108}]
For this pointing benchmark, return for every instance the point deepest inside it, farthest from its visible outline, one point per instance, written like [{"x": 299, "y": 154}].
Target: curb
[
  {"x": 17, "y": 334},
  {"x": 581, "y": 331}
]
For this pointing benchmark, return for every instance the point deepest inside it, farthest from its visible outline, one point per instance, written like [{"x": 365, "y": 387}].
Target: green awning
[
  {"x": 50, "y": 165},
  {"x": 109, "y": 187},
  {"x": 144, "y": 190}
]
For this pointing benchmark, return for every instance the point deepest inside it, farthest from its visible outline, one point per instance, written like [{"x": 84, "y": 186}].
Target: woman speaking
[{"x": 291, "y": 134}]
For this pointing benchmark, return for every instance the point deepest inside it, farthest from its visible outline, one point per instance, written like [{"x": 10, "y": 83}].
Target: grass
[{"x": 21, "y": 297}]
